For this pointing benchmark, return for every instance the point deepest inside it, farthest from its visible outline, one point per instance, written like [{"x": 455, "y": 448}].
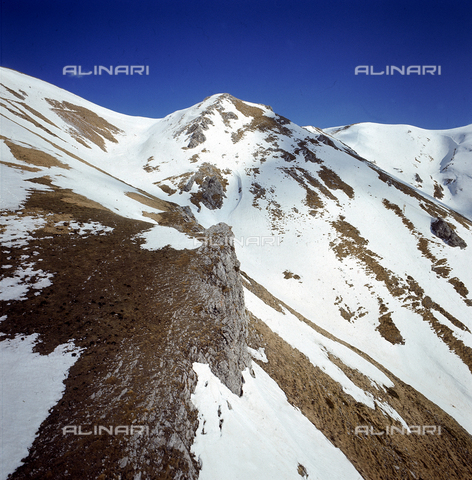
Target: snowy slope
[
  {"x": 340, "y": 265},
  {"x": 435, "y": 161}
]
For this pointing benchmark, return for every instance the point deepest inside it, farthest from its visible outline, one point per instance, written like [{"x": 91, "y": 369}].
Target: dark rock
[
  {"x": 229, "y": 116},
  {"x": 445, "y": 232},
  {"x": 196, "y": 129},
  {"x": 197, "y": 138},
  {"x": 201, "y": 124},
  {"x": 310, "y": 156},
  {"x": 211, "y": 189},
  {"x": 327, "y": 141},
  {"x": 427, "y": 302},
  {"x": 212, "y": 193},
  {"x": 223, "y": 289}
]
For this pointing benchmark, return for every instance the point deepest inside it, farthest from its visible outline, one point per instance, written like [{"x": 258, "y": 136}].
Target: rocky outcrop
[
  {"x": 196, "y": 139},
  {"x": 445, "y": 232},
  {"x": 225, "y": 307},
  {"x": 211, "y": 187},
  {"x": 196, "y": 131},
  {"x": 212, "y": 193},
  {"x": 130, "y": 391}
]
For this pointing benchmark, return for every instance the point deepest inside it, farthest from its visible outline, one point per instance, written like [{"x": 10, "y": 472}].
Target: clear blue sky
[{"x": 297, "y": 56}]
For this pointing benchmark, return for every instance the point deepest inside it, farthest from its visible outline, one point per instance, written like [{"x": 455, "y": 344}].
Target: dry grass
[
  {"x": 16, "y": 94},
  {"x": 259, "y": 121},
  {"x": 439, "y": 266},
  {"x": 137, "y": 316},
  {"x": 438, "y": 191},
  {"x": 389, "y": 330},
  {"x": 352, "y": 244},
  {"x": 336, "y": 414},
  {"x": 334, "y": 182},
  {"x": 427, "y": 205},
  {"x": 259, "y": 192},
  {"x": 398, "y": 211},
  {"x": 68, "y": 196},
  {"x": 165, "y": 188},
  {"x": 20, "y": 167},
  {"x": 288, "y": 275},
  {"x": 149, "y": 168},
  {"x": 32, "y": 156},
  {"x": 423, "y": 247},
  {"x": 149, "y": 201},
  {"x": 312, "y": 199},
  {"x": 459, "y": 286},
  {"x": 21, "y": 114},
  {"x": 36, "y": 113},
  {"x": 85, "y": 123}
]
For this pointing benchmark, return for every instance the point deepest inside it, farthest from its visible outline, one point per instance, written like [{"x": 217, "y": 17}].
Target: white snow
[
  {"x": 158, "y": 237},
  {"x": 30, "y": 385},
  {"x": 406, "y": 151},
  {"x": 24, "y": 278},
  {"x": 259, "y": 435},
  {"x": 15, "y": 230},
  {"x": 150, "y": 152}
]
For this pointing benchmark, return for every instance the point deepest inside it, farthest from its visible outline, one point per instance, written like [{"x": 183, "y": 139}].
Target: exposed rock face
[
  {"x": 225, "y": 307},
  {"x": 212, "y": 193},
  {"x": 196, "y": 131},
  {"x": 443, "y": 230},
  {"x": 227, "y": 116},
  {"x": 197, "y": 138},
  {"x": 211, "y": 189}
]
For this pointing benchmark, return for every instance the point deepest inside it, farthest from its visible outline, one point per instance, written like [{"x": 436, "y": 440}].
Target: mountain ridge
[{"x": 357, "y": 311}]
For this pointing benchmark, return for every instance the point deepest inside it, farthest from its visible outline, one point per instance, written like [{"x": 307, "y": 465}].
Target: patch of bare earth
[
  {"x": 33, "y": 156},
  {"x": 18, "y": 110},
  {"x": 259, "y": 121},
  {"x": 142, "y": 318},
  {"x": 427, "y": 205},
  {"x": 85, "y": 123},
  {"x": 333, "y": 181}
]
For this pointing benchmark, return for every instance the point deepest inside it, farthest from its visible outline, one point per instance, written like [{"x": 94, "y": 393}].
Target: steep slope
[
  {"x": 437, "y": 162},
  {"x": 356, "y": 315}
]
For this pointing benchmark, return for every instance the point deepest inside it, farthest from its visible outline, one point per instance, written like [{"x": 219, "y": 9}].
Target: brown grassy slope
[{"x": 336, "y": 414}]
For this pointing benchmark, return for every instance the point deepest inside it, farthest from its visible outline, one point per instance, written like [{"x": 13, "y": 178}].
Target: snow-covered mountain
[
  {"x": 224, "y": 294},
  {"x": 437, "y": 162}
]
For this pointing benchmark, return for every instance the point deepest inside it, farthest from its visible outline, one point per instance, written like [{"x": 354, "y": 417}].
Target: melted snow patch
[
  {"x": 31, "y": 385},
  {"x": 24, "y": 279},
  {"x": 15, "y": 230},
  {"x": 258, "y": 354},
  {"x": 83, "y": 229},
  {"x": 259, "y": 435},
  {"x": 13, "y": 182}
]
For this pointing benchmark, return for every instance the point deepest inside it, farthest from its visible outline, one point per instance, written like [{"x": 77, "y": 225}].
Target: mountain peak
[{"x": 223, "y": 273}]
